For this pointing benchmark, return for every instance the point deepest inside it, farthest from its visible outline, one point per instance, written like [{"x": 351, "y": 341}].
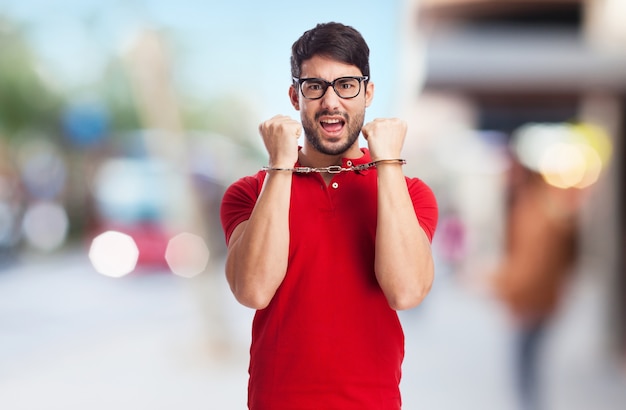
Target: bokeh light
[
  {"x": 566, "y": 155},
  {"x": 45, "y": 225},
  {"x": 113, "y": 254},
  {"x": 187, "y": 255},
  {"x": 42, "y": 166}
]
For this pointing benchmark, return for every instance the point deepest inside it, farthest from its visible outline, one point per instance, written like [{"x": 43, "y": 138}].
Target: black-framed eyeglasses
[{"x": 345, "y": 87}]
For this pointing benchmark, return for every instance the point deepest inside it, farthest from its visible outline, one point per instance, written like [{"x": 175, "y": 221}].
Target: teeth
[{"x": 333, "y": 121}]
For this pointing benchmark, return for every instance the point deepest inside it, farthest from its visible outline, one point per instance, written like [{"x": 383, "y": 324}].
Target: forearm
[
  {"x": 257, "y": 255},
  {"x": 403, "y": 265}
]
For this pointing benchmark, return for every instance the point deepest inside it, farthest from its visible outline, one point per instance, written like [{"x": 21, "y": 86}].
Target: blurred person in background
[
  {"x": 540, "y": 254},
  {"x": 329, "y": 240},
  {"x": 11, "y": 206}
]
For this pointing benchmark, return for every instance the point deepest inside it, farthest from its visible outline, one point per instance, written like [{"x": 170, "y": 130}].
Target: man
[{"x": 329, "y": 239}]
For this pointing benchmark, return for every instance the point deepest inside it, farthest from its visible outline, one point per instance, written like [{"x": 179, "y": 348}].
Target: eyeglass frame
[{"x": 361, "y": 79}]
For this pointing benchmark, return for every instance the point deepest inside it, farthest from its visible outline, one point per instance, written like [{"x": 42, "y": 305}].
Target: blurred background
[{"x": 123, "y": 122}]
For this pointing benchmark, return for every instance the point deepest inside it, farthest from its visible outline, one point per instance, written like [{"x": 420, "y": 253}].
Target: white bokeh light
[{"x": 113, "y": 254}]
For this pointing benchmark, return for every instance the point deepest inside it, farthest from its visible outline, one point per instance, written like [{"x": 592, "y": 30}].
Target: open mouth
[{"x": 332, "y": 125}]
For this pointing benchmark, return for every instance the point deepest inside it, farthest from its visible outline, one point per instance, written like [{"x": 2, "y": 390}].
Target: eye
[
  {"x": 313, "y": 85},
  {"x": 346, "y": 83}
]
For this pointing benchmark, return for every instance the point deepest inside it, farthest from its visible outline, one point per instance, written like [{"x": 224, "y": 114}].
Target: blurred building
[{"x": 490, "y": 67}]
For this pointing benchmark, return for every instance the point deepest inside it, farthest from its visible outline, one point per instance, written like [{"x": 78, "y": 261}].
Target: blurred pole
[
  {"x": 603, "y": 218},
  {"x": 606, "y": 31},
  {"x": 604, "y": 24},
  {"x": 150, "y": 75},
  {"x": 150, "y": 71},
  {"x": 621, "y": 310}
]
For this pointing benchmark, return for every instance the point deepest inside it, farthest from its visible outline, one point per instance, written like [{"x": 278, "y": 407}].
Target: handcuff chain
[{"x": 335, "y": 169}]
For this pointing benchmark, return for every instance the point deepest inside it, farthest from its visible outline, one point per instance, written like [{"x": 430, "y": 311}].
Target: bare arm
[
  {"x": 258, "y": 249},
  {"x": 404, "y": 265},
  {"x": 257, "y": 252},
  {"x": 403, "y": 261}
]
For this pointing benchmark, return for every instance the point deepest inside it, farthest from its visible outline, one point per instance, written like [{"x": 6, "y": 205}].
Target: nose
[{"x": 330, "y": 99}]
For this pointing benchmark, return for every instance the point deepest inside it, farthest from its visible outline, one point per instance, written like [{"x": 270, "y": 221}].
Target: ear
[
  {"x": 369, "y": 94},
  {"x": 294, "y": 97}
]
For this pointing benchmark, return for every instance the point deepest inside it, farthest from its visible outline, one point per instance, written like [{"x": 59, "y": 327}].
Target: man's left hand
[{"x": 385, "y": 137}]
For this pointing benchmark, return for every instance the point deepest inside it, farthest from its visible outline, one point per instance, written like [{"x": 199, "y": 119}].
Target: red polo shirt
[{"x": 328, "y": 339}]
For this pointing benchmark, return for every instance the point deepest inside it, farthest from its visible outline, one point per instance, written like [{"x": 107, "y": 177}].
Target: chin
[{"x": 335, "y": 148}]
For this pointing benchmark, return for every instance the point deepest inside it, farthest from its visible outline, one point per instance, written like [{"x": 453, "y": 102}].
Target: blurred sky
[{"x": 220, "y": 47}]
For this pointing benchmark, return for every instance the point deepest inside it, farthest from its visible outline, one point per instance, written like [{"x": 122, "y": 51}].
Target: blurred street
[
  {"x": 131, "y": 147},
  {"x": 73, "y": 339}
]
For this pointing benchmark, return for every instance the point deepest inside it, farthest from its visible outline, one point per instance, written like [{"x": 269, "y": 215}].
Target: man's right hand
[{"x": 280, "y": 136}]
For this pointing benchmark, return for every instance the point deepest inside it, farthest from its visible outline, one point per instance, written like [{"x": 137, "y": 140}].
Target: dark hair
[{"x": 335, "y": 40}]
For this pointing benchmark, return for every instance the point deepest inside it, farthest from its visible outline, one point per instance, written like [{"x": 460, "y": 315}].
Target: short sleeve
[
  {"x": 238, "y": 202},
  {"x": 425, "y": 205}
]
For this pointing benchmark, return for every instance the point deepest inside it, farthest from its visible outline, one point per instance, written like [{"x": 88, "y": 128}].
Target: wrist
[{"x": 389, "y": 161}]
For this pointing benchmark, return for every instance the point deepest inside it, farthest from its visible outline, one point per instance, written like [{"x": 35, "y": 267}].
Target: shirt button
[
  {"x": 349, "y": 163},
  {"x": 335, "y": 185}
]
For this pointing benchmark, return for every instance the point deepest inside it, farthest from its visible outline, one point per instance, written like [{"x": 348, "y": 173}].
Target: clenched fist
[
  {"x": 385, "y": 137},
  {"x": 280, "y": 136}
]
